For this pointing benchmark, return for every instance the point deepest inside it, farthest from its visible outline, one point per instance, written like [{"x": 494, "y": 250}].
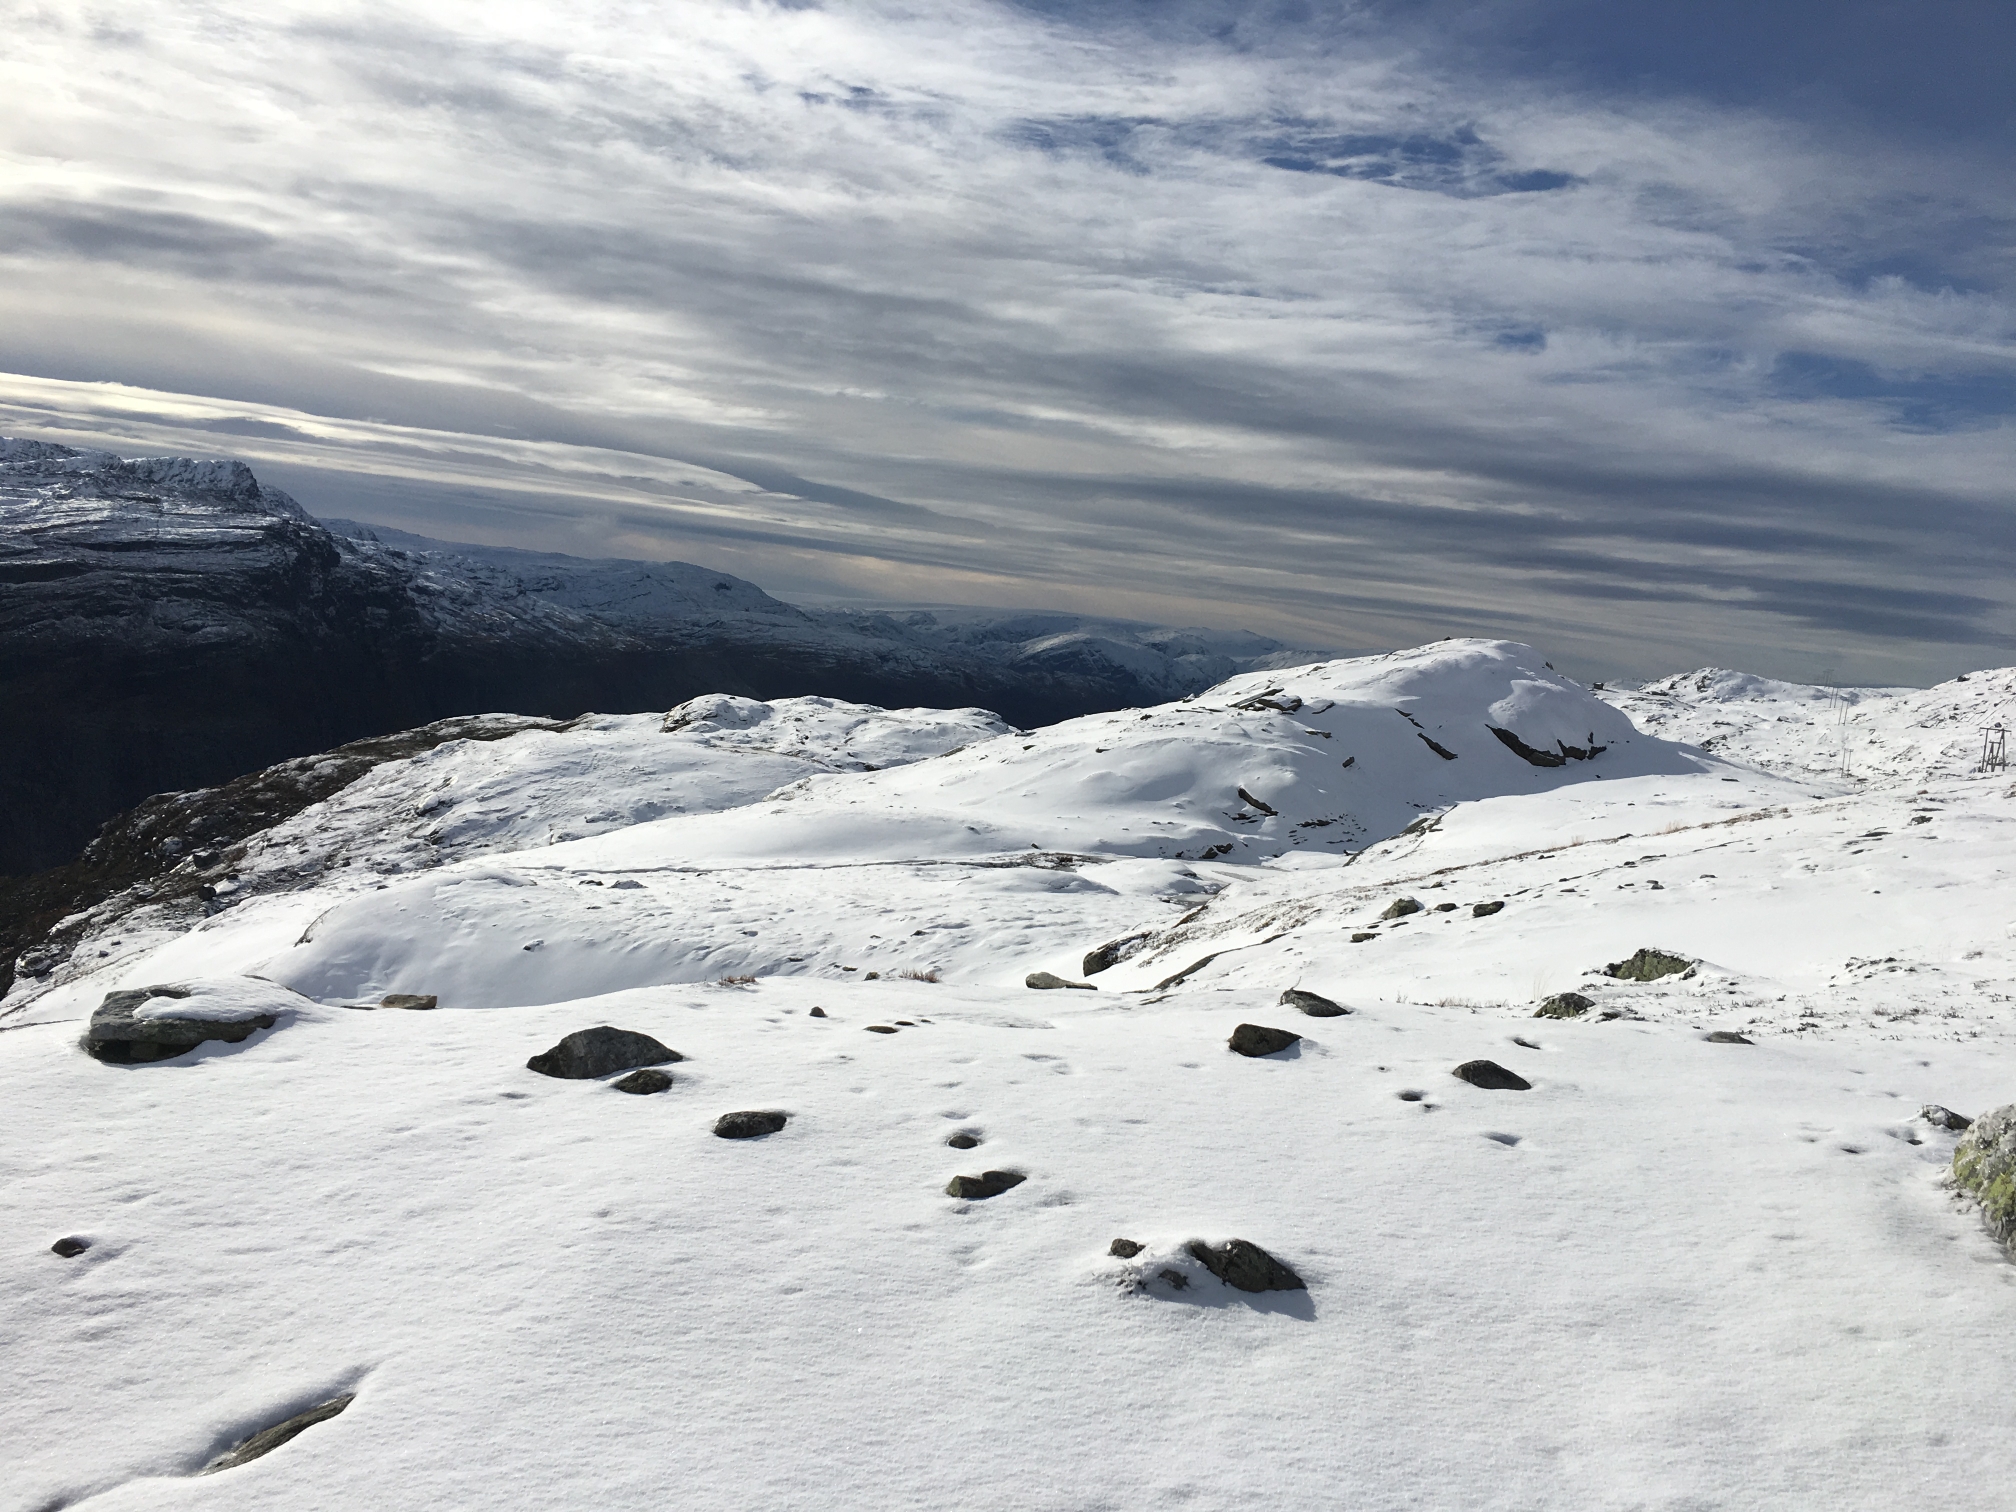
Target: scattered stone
[
  {"x": 882, "y": 1029},
  {"x": 1649, "y": 966},
  {"x": 1248, "y": 799},
  {"x": 1727, "y": 1037},
  {"x": 1126, "y": 1249},
  {"x": 1399, "y": 908},
  {"x": 118, "y": 1036},
  {"x": 1186, "y": 973},
  {"x": 1410, "y": 1095},
  {"x": 1524, "y": 1043},
  {"x": 1113, "y": 952},
  {"x": 1485, "y": 910},
  {"x": 644, "y": 1083},
  {"x": 873, "y": 976},
  {"x": 1312, "y": 1003},
  {"x": 1048, "y": 980},
  {"x": 70, "y": 1246},
  {"x": 906, "y": 1024},
  {"x": 415, "y": 1000},
  {"x": 600, "y": 1051},
  {"x": 964, "y": 1141},
  {"x": 1362, "y": 936},
  {"x": 1491, "y": 1076},
  {"x": 986, "y": 1184},
  {"x": 1945, "y": 1118},
  {"x": 1445, "y": 908},
  {"x": 1258, "y": 1039},
  {"x": 752, "y": 1124},
  {"x": 1564, "y": 1005},
  {"x": 1176, "y": 1279},
  {"x": 1984, "y": 1166},
  {"x": 1246, "y": 1266},
  {"x": 266, "y": 1440},
  {"x": 817, "y": 1013}
]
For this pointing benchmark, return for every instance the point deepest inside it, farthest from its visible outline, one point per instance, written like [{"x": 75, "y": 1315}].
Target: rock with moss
[
  {"x": 1564, "y": 1005},
  {"x": 1649, "y": 966},
  {"x": 1984, "y": 1167}
]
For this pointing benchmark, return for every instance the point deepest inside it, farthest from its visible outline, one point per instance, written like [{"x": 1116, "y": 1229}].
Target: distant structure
[{"x": 1994, "y": 748}]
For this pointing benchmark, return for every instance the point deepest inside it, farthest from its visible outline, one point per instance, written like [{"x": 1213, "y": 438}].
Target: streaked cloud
[{"x": 1307, "y": 321}]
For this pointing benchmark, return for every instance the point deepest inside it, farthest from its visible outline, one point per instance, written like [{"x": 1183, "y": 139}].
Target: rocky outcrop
[
  {"x": 266, "y": 1440},
  {"x": 121, "y": 1034},
  {"x": 1246, "y": 1266},
  {"x": 1564, "y": 1005},
  {"x": 1312, "y": 1003},
  {"x": 1649, "y": 965}
]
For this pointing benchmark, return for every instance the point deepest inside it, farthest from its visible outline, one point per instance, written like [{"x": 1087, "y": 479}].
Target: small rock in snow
[
  {"x": 882, "y": 1029},
  {"x": 1313, "y": 1003},
  {"x": 1564, "y": 1005},
  {"x": 1112, "y": 953},
  {"x": 644, "y": 1083},
  {"x": 986, "y": 1184},
  {"x": 1176, "y": 1279},
  {"x": 1362, "y": 936},
  {"x": 751, "y": 1124},
  {"x": 1258, "y": 1039},
  {"x": 964, "y": 1141},
  {"x": 418, "y": 1000},
  {"x": 1491, "y": 1076},
  {"x": 817, "y": 1013},
  {"x": 1727, "y": 1037},
  {"x": 1399, "y": 908},
  {"x": 600, "y": 1051},
  {"x": 1648, "y": 966},
  {"x": 1046, "y": 980},
  {"x": 70, "y": 1246},
  {"x": 1126, "y": 1249},
  {"x": 1485, "y": 910},
  {"x": 1445, "y": 908},
  {"x": 1250, "y": 1268},
  {"x": 266, "y": 1440},
  {"x": 1944, "y": 1118}
]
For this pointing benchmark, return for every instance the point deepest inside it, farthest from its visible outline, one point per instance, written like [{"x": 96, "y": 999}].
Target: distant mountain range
[{"x": 167, "y": 623}]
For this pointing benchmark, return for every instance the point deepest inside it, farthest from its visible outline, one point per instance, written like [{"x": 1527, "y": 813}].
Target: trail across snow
[{"x": 1675, "y": 1273}]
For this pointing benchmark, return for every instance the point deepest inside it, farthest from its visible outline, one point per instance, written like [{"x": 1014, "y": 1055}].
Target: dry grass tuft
[{"x": 911, "y": 974}]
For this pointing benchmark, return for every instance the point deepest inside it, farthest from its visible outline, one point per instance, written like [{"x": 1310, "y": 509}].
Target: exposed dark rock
[
  {"x": 1113, "y": 952},
  {"x": 600, "y": 1051},
  {"x": 1125, "y": 1249},
  {"x": 817, "y": 1013},
  {"x": 1046, "y": 981},
  {"x": 751, "y": 1124},
  {"x": 1359, "y": 937},
  {"x": 70, "y": 1246},
  {"x": 1438, "y": 748},
  {"x": 266, "y": 1440},
  {"x": 1485, "y": 910},
  {"x": 1445, "y": 908},
  {"x": 1399, "y": 908},
  {"x": 644, "y": 1083},
  {"x": 1176, "y": 1279},
  {"x": 1649, "y": 966},
  {"x": 1491, "y": 1076},
  {"x": 1313, "y": 1003},
  {"x": 1248, "y": 799},
  {"x": 883, "y": 1029},
  {"x": 1984, "y": 1167},
  {"x": 416, "y": 1000},
  {"x": 1727, "y": 1037},
  {"x": 1945, "y": 1118},
  {"x": 1186, "y": 973},
  {"x": 1564, "y": 1005},
  {"x": 1246, "y": 1266},
  {"x": 986, "y": 1184},
  {"x": 1410, "y": 1095},
  {"x": 116, "y": 1035},
  {"x": 1258, "y": 1039},
  {"x": 964, "y": 1141},
  {"x": 1526, "y": 752}
]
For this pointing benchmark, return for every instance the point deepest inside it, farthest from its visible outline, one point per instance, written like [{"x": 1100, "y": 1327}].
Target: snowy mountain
[
  {"x": 171, "y": 624},
  {"x": 1395, "y": 1081}
]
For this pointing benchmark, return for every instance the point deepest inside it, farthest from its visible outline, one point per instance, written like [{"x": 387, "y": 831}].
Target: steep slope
[{"x": 170, "y": 624}]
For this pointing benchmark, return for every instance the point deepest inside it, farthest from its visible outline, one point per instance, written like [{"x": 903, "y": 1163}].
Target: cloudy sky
[{"x": 1655, "y": 334}]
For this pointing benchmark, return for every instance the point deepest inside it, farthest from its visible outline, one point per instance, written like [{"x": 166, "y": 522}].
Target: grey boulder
[
  {"x": 1491, "y": 1076},
  {"x": 1399, "y": 908},
  {"x": 1258, "y": 1039},
  {"x": 1984, "y": 1167},
  {"x": 1313, "y": 1003},
  {"x": 1649, "y": 966},
  {"x": 1564, "y": 1005},
  {"x": 266, "y": 1440},
  {"x": 751, "y": 1123},
  {"x": 600, "y": 1051},
  {"x": 1049, "y": 980},
  {"x": 986, "y": 1184},
  {"x": 643, "y": 1083},
  {"x": 116, "y": 1035}
]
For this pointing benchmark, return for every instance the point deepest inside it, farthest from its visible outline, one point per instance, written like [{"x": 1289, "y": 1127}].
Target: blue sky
[{"x": 1657, "y": 335}]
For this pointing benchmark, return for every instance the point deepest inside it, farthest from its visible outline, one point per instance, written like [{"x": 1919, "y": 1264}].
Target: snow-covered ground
[{"x": 1675, "y": 1273}]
